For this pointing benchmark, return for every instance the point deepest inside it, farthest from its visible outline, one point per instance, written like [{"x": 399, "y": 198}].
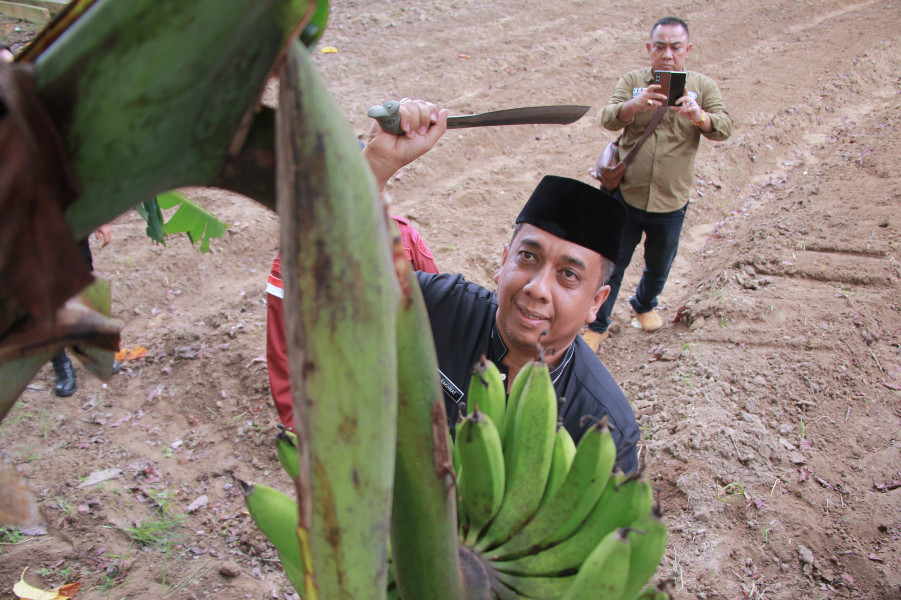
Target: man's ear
[
  {"x": 497, "y": 275},
  {"x": 599, "y": 297}
]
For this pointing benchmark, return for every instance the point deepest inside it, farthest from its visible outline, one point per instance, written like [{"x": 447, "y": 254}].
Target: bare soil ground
[{"x": 770, "y": 402}]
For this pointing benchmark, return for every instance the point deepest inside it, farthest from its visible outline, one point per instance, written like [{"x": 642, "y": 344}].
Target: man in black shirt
[{"x": 551, "y": 283}]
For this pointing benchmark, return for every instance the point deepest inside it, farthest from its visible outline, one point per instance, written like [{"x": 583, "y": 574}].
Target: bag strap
[{"x": 652, "y": 125}]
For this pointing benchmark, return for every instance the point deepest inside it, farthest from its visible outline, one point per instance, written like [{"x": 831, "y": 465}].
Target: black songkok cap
[{"x": 578, "y": 213}]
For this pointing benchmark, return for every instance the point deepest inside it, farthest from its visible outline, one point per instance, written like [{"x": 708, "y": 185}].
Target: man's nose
[{"x": 540, "y": 284}]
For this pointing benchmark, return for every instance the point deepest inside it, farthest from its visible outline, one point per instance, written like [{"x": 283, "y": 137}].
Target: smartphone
[{"x": 672, "y": 83}]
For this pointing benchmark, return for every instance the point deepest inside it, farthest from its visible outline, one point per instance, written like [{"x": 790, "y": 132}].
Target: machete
[{"x": 389, "y": 118}]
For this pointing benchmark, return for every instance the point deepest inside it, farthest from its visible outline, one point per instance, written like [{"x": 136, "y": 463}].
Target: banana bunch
[
  {"x": 545, "y": 517},
  {"x": 549, "y": 518}
]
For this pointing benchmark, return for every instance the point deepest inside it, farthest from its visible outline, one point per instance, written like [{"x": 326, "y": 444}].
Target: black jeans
[{"x": 662, "y": 231}]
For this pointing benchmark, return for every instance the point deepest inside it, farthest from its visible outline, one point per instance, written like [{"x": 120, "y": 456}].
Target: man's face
[
  {"x": 668, "y": 48},
  {"x": 546, "y": 283}
]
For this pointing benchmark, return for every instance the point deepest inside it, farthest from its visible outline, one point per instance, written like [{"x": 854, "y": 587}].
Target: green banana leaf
[
  {"x": 150, "y": 94},
  {"x": 150, "y": 212},
  {"x": 190, "y": 218}
]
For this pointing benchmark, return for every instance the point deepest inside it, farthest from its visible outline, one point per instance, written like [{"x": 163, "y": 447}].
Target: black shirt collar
[{"x": 497, "y": 350}]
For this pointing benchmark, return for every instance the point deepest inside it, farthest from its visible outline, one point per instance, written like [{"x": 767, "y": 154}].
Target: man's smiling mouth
[{"x": 530, "y": 316}]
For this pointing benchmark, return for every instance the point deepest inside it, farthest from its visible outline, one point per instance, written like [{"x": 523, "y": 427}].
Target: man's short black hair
[{"x": 670, "y": 21}]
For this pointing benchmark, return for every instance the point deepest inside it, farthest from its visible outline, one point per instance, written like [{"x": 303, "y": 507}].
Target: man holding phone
[{"x": 657, "y": 184}]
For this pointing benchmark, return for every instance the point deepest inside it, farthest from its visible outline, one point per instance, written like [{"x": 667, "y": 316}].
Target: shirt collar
[{"x": 497, "y": 350}]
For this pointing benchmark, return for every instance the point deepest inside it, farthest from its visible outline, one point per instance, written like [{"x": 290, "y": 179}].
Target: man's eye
[{"x": 570, "y": 275}]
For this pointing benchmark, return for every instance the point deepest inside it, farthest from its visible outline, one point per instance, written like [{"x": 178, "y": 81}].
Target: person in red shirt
[{"x": 418, "y": 254}]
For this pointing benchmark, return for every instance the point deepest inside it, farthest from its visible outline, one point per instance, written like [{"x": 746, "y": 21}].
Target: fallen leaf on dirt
[
  {"x": 875, "y": 558},
  {"x": 849, "y": 579},
  {"x": 131, "y": 354},
  {"x": 462, "y": 56},
  {"x": 199, "y": 503},
  {"x": 100, "y": 476},
  {"x": 26, "y": 591},
  {"x": 805, "y": 473},
  {"x": 329, "y": 50},
  {"x": 892, "y": 385}
]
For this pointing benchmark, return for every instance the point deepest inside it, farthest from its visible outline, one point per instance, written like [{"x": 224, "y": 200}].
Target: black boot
[{"x": 65, "y": 374}]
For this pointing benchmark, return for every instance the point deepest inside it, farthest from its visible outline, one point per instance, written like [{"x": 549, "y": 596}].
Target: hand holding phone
[{"x": 672, "y": 83}]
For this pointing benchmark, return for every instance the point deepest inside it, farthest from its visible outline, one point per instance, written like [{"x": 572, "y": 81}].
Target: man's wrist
[
  {"x": 379, "y": 167},
  {"x": 700, "y": 123},
  {"x": 624, "y": 107}
]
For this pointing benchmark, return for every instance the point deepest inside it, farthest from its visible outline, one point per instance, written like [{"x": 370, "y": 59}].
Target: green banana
[
  {"x": 455, "y": 453},
  {"x": 604, "y": 572},
  {"x": 286, "y": 448},
  {"x": 487, "y": 392},
  {"x": 625, "y": 499},
  {"x": 275, "y": 513},
  {"x": 542, "y": 588},
  {"x": 424, "y": 529},
  {"x": 564, "y": 512},
  {"x": 528, "y": 459},
  {"x": 459, "y": 486},
  {"x": 561, "y": 461},
  {"x": 501, "y": 591},
  {"x": 345, "y": 411},
  {"x": 605, "y": 455},
  {"x": 513, "y": 397},
  {"x": 482, "y": 458},
  {"x": 648, "y": 538},
  {"x": 462, "y": 517}
]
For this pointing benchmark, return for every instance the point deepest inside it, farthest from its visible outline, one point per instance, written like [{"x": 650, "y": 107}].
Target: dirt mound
[{"x": 769, "y": 402}]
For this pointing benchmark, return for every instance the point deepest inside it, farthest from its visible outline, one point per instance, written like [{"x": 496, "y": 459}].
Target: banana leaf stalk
[
  {"x": 341, "y": 310},
  {"x": 424, "y": 514}
]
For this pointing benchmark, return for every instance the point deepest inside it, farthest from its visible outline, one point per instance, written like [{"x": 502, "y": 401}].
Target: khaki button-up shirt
[{"x": 659, "y": 180}]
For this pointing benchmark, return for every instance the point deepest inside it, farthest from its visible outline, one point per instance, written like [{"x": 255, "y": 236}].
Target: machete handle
[{"x": 388, "y": 116}]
